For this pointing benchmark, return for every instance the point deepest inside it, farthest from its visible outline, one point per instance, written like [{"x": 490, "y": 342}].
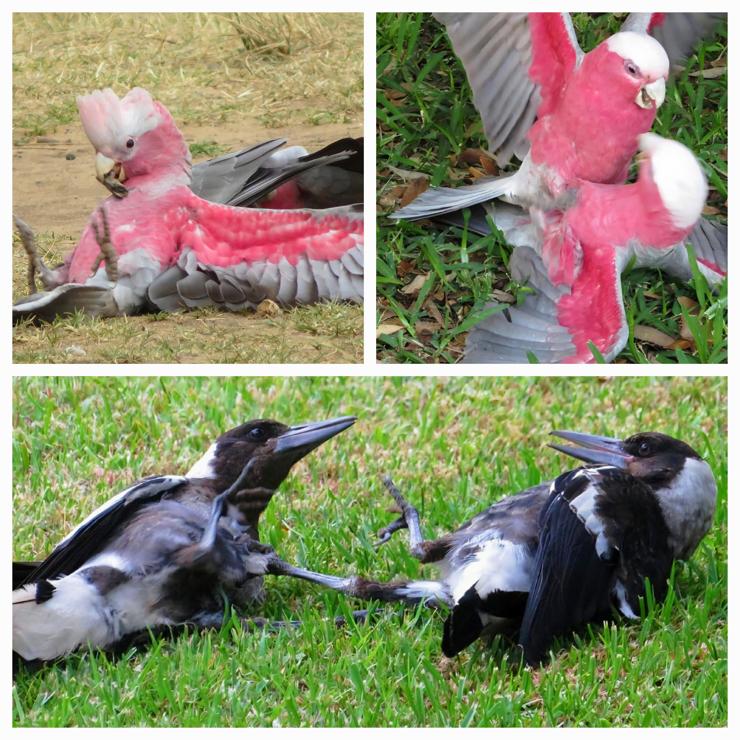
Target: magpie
[
  {"x": 549, "y": 559},
  {"x": 168, "y": 550}
]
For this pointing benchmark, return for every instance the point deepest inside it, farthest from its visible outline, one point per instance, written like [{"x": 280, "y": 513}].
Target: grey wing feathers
[
  {"x": 190, "y": 284},
  {"x": 496, "y": 51},
  {"x": 65, "y": 300},
  {"x": 221, "y": 179},
  {"x": 532, "y": 327},
  {"x": 709, "y": 240},
  {"x": 677, "y": 32}
]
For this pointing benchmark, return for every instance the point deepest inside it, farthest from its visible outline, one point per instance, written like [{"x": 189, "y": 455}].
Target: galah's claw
[
  {"x": 107, "y": 251},
  {"x": 35, "y": 263}
]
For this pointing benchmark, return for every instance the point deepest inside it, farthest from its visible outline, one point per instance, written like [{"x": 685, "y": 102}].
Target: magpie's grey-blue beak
[
  {"x": 301, "y": 439},
  {"x": 594, "y": 449}
]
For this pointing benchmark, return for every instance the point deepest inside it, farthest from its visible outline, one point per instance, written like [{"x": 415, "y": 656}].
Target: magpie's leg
[
  {"x": 107, "y": 251},
  {"x": 426, "y": 551},
  {"x": 35, "y": 263},
  {"x": 431, "y": 593}
]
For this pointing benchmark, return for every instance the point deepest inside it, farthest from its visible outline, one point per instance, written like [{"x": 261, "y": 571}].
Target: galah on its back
[
  {"x": 567, "y": 115},
  {"x": 174, "y": 249},
  {"x": 578, "y": 296}
]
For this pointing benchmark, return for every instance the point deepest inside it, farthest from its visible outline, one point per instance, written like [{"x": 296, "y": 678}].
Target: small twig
[{"x": 107, "y": 251}]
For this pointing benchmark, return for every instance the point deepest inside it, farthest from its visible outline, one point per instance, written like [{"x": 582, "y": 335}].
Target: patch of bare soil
[{"x": 55, "y": 191}]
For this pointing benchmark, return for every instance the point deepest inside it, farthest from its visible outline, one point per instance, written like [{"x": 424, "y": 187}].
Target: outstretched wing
[
  {"x": 677, "y": 33},
  {"x": 517, "y": 64},
  {"x": 89, "y": 537}
]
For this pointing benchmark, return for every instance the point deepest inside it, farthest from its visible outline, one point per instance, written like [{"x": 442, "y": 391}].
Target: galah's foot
[
  {"x": 107, "y": 251},
  {"x": 35, "y": 263}
]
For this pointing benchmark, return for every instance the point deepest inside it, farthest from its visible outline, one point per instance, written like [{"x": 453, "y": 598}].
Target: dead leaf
[
  {"x": 415, "y": 285},
  {"x": 503, "y": 297},
  {"x": 709, "y": 74},
  {"x": 689, "y": 304},
  {"x": 653, "y": 336},
  {"x": 426, "y": 327},
  {"x": 406, "y": 174},
  {"x": 710, "y": 210},
  {"x": 433, "y": 311},
  {"x": 387, "y": 329},
  {"x": 413, "y": 190}
]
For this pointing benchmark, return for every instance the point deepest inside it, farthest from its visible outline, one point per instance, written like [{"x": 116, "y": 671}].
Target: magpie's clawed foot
[{"x": 408, "y": 513}]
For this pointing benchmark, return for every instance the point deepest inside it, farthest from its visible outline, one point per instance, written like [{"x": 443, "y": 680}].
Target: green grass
[
  {"x": 453, "y": 446},
  {"x": 426, "y": 119}
]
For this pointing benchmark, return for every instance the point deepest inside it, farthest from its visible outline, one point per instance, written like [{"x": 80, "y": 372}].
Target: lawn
[
  {"x": 433, "y": 282},
  {"x": 229, "y": 80},
  {"x": 453, "y": 446}
]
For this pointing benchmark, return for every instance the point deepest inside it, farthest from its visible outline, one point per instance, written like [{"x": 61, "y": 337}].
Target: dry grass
[{"x": 205, "y": 68}]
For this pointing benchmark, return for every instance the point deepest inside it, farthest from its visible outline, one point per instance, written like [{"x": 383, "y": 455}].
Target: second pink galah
[{"x": 173, "y": 249}]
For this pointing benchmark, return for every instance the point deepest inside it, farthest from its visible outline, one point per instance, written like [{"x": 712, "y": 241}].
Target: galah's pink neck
[{"x": 592, "y": 133}]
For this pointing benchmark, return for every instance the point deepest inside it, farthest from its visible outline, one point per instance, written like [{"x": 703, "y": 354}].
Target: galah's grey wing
[
  {"x": 93, "y": 533},
  {"x": 514, "y": 332},
  {"x": 65, "y": 300},
  {"x": 221, "y": 179},
  {"x": 709, "y": 240},
  {"x": 496, "y": 51},
  {"x": 677, "y": 33},
  {"x": 193, "y": 283}
]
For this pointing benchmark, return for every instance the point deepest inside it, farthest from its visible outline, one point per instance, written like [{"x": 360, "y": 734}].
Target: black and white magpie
[
  {"x": 551, "y": 558},
  {"x": 169, "y": 550}
]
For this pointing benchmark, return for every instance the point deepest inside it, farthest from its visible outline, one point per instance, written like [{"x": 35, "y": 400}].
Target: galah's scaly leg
[
  {"x": 35, "y": 263},
  {"x": 426, "y": 551},
  {"x": 107, "y": 251}
]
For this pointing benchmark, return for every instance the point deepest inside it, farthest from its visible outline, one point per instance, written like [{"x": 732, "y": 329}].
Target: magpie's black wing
[
  {"x": 91, "y": 536},
  {"x": 21, "y": 571},
  {"x": 602, "y": 534}
]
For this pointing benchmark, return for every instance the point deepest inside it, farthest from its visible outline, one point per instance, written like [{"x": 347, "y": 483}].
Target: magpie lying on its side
[
  {"x": 169, "y": 550},
  {"x": 556, "y": 556}
]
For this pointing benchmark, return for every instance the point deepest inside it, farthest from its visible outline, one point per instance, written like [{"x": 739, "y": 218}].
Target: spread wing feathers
[
  {"x": 497, "y": 51},
  {"x": 601, "y": 534},
  {"x": 439, "y": 201},
  {"x": 676, "y": 32},
  {"x": 243, "y": 178},
  {"x": 465, "y": 622},
  {"x": 222, "y": 178},
  {"x": 192, "y": 284},
  {"x": 512, "y": 333},
  {"x": 91, "y": 535},
  {"x": 67, "y": 299},
  {"x": 709, "y": 240}
]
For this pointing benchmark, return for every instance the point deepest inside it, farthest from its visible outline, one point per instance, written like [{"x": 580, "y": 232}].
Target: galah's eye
[
  {"x": 631, "y": 67},
  {"x": 130, "y": 144}
]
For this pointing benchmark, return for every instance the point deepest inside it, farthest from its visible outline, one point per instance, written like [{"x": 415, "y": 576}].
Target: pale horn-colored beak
[
  {"x": 111, "y": 174},
  {"x": 652, "y": 94}
]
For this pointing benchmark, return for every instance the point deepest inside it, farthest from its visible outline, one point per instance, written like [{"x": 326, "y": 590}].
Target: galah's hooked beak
[
  {"x": 594, "y": 449},
  {"x": 111, "y": 174},
  {"x": 651, "y": 95}
]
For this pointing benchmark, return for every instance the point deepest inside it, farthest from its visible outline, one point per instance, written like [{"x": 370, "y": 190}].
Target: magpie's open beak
[
  {"x": 299, "y": 440},
  {"x": 111, "y": 174},
  {"x": 594, "y": 449}
]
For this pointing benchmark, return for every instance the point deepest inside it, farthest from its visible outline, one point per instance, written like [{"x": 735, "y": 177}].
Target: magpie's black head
[
  {"x": 653, "y": 457},
  {"x": 272, "y": 449}
]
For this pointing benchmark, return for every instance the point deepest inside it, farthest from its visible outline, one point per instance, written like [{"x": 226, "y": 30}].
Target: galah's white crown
[
  {"x": 643, "y": 50},
  {"x": 678, "y": 177},
  {"x": 109, "y": 120}
]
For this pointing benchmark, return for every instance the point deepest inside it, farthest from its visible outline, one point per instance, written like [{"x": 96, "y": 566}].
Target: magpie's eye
[
  {"x": 631, "y": 67},
  {"x": 257, "y": 434},
  {"x": 644, "y": 449},
  {"x": 130, "y": 144}
]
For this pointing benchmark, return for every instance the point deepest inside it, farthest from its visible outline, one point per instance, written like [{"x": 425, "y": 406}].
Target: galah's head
[
  {"x": 676, "y": 174},
  {"x": 632, "y": 66},
  {"x": 133, "y": 136}
]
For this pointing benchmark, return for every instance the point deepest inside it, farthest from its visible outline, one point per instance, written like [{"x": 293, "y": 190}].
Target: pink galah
[
  {"x": 598, "y": 236},
  {"x": 225, "y": 256}
]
